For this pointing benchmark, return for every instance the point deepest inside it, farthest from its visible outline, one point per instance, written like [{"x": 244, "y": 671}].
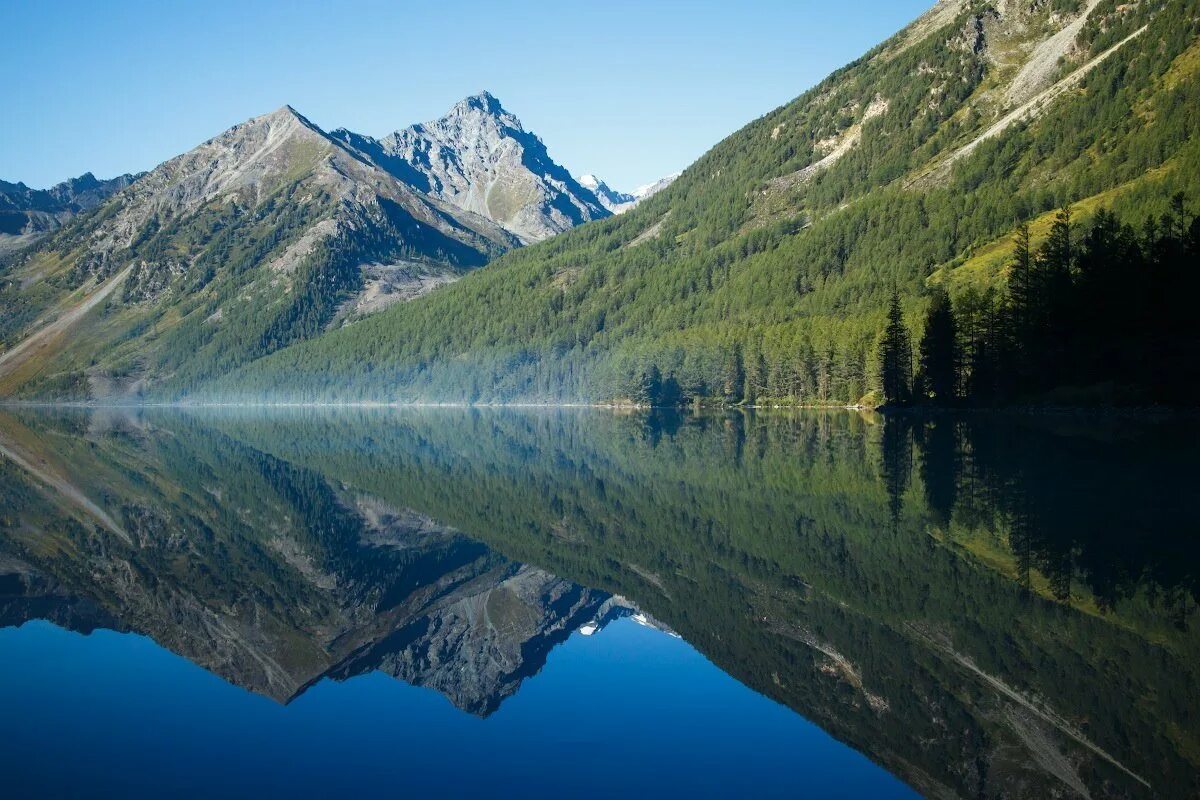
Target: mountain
[
  {"x": 766, "y": 269},
  {"x": 28, "y": 213},
  {"x": 268, "y": 234},
  {"x": 261, "y": 236},
  {"x": 620, "y": 202},
  {"x": 479, "y": 158},
  {"x": 610, "y": 198}
]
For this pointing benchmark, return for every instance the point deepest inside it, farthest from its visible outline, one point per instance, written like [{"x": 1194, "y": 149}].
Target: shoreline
[{"x": 1161, "y": 412}]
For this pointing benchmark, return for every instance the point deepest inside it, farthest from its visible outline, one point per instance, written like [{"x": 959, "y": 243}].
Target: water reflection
[{"x": 987, "y": 607}]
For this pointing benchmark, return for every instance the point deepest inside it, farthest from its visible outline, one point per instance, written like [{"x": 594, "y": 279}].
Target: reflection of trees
[
  {"x": 1108, "y": 509},
  {"x": 788, "y": 548},
  {"x": 940, "y": 466},
  {"x": 895, "y": 461}
]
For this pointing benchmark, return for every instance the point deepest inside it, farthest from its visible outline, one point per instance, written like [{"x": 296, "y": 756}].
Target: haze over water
[{"x": 448, "y": 601}]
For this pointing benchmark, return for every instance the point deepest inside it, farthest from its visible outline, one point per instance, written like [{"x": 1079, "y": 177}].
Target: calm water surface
[{"x": 492, "y": 602}]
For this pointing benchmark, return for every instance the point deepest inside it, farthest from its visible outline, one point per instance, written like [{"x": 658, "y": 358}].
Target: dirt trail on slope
[
  {"x": 37, "y": 343},
  {"x": 1026, "y": 111}
]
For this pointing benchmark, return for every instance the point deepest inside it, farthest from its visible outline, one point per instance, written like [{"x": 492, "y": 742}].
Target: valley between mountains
[{"x": 455, "y": 261}]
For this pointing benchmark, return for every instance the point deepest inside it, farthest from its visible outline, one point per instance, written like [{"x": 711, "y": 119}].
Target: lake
[{"x": 548, "y": 602}]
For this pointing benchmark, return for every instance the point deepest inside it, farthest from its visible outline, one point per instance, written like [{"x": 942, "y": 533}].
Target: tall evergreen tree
[
  {"x": 1019, "y": 325},
  {"x": 895, "y": 357},
  {"x": 1055, "y": 266},
  {"x": 939, "y": 351}
]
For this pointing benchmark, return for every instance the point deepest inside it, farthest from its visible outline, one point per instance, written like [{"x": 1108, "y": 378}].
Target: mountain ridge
[
  {"x": 619, "y": 202},
  {"x": 26, "y": 214}
]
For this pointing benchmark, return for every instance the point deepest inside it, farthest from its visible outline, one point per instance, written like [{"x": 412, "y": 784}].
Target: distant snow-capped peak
[{"x": 619, "y": 202}]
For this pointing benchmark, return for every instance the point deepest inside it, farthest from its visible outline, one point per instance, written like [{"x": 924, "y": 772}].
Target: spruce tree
[
  {"x": 939, "y": 351},
  {"x": 895, "y": 357}
]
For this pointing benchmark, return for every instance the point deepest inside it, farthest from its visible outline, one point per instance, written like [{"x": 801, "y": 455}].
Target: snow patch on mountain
[{"x": 619, "y": 202}]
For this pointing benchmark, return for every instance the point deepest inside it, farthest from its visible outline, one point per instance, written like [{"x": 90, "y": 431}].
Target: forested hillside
[{"x": 764, "y": 273}]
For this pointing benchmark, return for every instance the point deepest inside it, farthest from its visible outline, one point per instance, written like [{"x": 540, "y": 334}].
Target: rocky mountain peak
[
  {"x": 480, "y": 158},
  {"x": 485, "y": 101},
  {"x": 26, "y": 214}
]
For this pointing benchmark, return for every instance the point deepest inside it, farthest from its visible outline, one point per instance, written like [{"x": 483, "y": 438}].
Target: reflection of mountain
[
  {"x": 939, "y": 596},
  {"x": 811, "y": 558},
  {"x": 263, "y": 573}
]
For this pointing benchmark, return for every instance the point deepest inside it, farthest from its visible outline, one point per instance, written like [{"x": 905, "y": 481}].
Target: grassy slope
[{"x": 792, "y": 265}]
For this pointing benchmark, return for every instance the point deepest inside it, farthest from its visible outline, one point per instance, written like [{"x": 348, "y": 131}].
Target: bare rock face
[
  {"x": 479, "y": 158},
  {"x": 251, "y": 162}
]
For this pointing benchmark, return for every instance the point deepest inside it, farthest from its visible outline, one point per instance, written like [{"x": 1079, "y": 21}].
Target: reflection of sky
[{"x": 630, "y": 711}]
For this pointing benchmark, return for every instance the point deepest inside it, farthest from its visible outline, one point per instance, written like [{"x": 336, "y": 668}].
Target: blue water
[{"x": 630, "y": 711}]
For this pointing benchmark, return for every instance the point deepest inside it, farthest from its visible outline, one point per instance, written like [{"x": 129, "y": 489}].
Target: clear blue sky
[{"x": 628, "y": 90}]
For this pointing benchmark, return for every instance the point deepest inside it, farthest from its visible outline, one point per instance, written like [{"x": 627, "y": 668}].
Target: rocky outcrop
[{"x": 479, "y": 158}]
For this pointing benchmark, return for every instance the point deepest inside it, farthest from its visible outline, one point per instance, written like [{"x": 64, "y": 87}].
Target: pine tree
[
  {"x": 939, "y": 351},
  {"x": 1056, "y": 263},
  {"x": 1016, "y": 349},
  {"x": 895, "y": 357}
]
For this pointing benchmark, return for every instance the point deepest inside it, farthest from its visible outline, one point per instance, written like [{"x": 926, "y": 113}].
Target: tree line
[{"x": 1105, "y": 317}]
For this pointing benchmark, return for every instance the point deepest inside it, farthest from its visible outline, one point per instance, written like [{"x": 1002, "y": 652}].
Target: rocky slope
[
  {"x": 479, "y": 158},
  {"x": 263, "y": 235}
]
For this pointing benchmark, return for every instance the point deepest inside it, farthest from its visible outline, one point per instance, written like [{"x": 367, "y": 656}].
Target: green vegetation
[
  {"x": 777, "y": 281},
  {"x": 1105, "y": 320}
]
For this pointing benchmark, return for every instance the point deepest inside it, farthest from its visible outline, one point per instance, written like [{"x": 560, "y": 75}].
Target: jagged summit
[
  {"x": 484, "y": 101},
  {"x": 610, "y": 198},
  {"x": 27, "y": 214},
  {"x": 480, "y": 158}
]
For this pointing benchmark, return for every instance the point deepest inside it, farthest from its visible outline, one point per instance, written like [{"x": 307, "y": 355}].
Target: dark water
[{"x": 448, "y": 602}]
